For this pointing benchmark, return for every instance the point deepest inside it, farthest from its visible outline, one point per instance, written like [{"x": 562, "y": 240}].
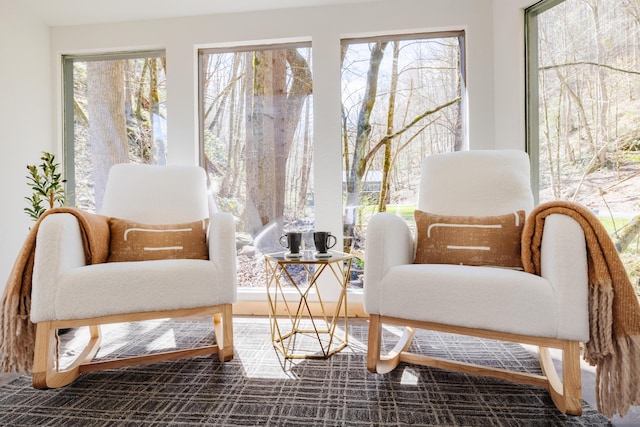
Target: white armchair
[
  {"x": 549, "y": 311},
  {"x": 66, "y": 293}
]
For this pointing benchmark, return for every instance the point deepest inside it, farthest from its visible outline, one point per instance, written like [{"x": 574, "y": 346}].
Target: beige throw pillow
[
  {"x": 468, "y": 240},
  {"x": 131, "y": 241}
]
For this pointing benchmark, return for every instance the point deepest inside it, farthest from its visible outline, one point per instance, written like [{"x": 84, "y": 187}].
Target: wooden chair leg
[
  {"x": 566, "y": 393},
  {"x": 46, "y": 371},
  {"x": 223, "y": 326},
  {"x": 373, "y": 345},
  {"x": 44, "y": 354},
  {"x": 387, "y": 363},
  {"x": 571, "y": 377}
]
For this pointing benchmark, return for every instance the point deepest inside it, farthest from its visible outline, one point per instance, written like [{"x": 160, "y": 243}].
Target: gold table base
[{"x": 301, "y": 326}]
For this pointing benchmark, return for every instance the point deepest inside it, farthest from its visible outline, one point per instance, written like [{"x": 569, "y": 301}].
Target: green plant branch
[{"x": 47, "y": 186}]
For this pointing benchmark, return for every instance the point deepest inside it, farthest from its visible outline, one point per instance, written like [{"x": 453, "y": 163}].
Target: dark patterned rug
[{"x": 258, "y": 388}]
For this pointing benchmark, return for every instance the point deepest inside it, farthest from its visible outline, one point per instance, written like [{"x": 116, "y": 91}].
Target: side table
[{"x": 301, "y": 275}]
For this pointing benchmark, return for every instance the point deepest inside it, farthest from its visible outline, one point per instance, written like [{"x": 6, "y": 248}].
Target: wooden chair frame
[
  {"x": 566, "y": 393},
  {"x": 46, "y": 370}
]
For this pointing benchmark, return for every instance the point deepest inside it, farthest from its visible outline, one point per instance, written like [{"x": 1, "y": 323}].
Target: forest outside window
[
  {"x": 114, "y": 112},
  {"x": 256, "y": 133},
  {"x": 402, "y": 99},
  {"x": 583, "y": 111}
]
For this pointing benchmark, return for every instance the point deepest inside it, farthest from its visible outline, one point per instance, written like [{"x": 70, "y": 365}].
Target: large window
[
  {"x": 115, "y": 112},
  {"x": 401, "y": 101},
  {"x": 584, "y": 109},
  {"x": 256, "y": 138}
]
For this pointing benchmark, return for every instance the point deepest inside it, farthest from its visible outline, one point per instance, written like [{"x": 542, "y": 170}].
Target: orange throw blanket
[
  {"x": 614, "y": 312},
  {"x": 17, "y": 333}
]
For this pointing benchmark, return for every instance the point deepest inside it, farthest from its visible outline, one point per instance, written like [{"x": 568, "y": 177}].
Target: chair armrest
[
  {"x": 389, "y": 242},
  {"x": 222, "y": 251},
  {"x": 563, "y": 262},
  {"x": 58, "y": 248}
]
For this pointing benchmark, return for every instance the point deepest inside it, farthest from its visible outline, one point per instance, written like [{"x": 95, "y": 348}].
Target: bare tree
[
  {"x": 273, "y": 114},
  {"x": 107, "y": 126},
  {"x": 307, "y": 156},
  {"x": 589, "y": 82},
  {"x": 386, "y": 168},
  {"x": 398, "y": 132},
  {"x": 358, "y": 164}
]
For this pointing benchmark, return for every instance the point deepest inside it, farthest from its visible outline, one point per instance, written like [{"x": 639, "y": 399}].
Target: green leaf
[{"x": 46, "y": 184}]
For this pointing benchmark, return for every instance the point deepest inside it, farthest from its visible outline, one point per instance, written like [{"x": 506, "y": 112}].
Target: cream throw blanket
[
  {"x": 17, "y": 333},
  {"x": 614, "y": 312}
]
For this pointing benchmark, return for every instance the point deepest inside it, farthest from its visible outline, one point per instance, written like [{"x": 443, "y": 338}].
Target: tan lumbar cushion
[
  {"x": 469, "y": 240},
  {"x": 132, "y": 241}
]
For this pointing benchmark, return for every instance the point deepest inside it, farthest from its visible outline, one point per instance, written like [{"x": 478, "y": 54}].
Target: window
[
  {"x": 401, "y": 101},
  {"x": 115, "y": 112},
  {"x": 256, "y": 117},
  {"x": 584, "y": 110}
]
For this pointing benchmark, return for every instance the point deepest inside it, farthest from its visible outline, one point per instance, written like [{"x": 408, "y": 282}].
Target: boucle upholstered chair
[
  {"x": 548, "y": 311},
  {"x": 67, "y": 293}
]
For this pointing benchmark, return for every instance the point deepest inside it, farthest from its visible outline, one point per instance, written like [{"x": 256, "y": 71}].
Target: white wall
[
  {"x": 494, "y": 85},
  {"x": 509, "y": 72},
  {"x": 25, "y": 120}
]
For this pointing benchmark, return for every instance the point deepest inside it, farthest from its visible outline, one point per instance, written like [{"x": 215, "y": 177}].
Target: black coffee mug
[
  {"x": 291, "y": 241},
  {"x": 324, "y": 241}
]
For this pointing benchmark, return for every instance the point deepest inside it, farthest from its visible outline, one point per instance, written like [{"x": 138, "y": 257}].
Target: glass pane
[
  {"x": 589, "y": 108},
  {"x": 257, "y": 138},
  {"x": 401, "y": 101},
  {"x": 119, "y": 116}
]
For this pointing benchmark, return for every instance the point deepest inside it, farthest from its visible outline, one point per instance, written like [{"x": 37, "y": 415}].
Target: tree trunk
[
  {"x": 231, "y": 175},
  {"x": 237, "y": 150},
  {"x": 458, "y": 144},
  {"x": 281, "y": 142},
  {"x": 107, "y": 128},
  {"x": 272, "y": 118},
  {"x": 307, "y": 159},
  {"x": 384, "y": 184},
  {"x": 358, "y": 164},
  {"x": 629, "y": 232},
  {"x": 157, "y": 152},
  {"x": 602, "y": 106},
  {"x": 260, "y": 208},
  {"x": 346, "y": 155},
  {"x": 301, "y": 88}
]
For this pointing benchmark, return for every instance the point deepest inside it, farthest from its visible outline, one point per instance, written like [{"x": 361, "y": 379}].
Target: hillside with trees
[{"x": 589, "y": 113}]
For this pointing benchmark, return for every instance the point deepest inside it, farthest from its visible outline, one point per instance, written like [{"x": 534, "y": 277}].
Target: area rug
[{"x": 259, "y": 388}]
